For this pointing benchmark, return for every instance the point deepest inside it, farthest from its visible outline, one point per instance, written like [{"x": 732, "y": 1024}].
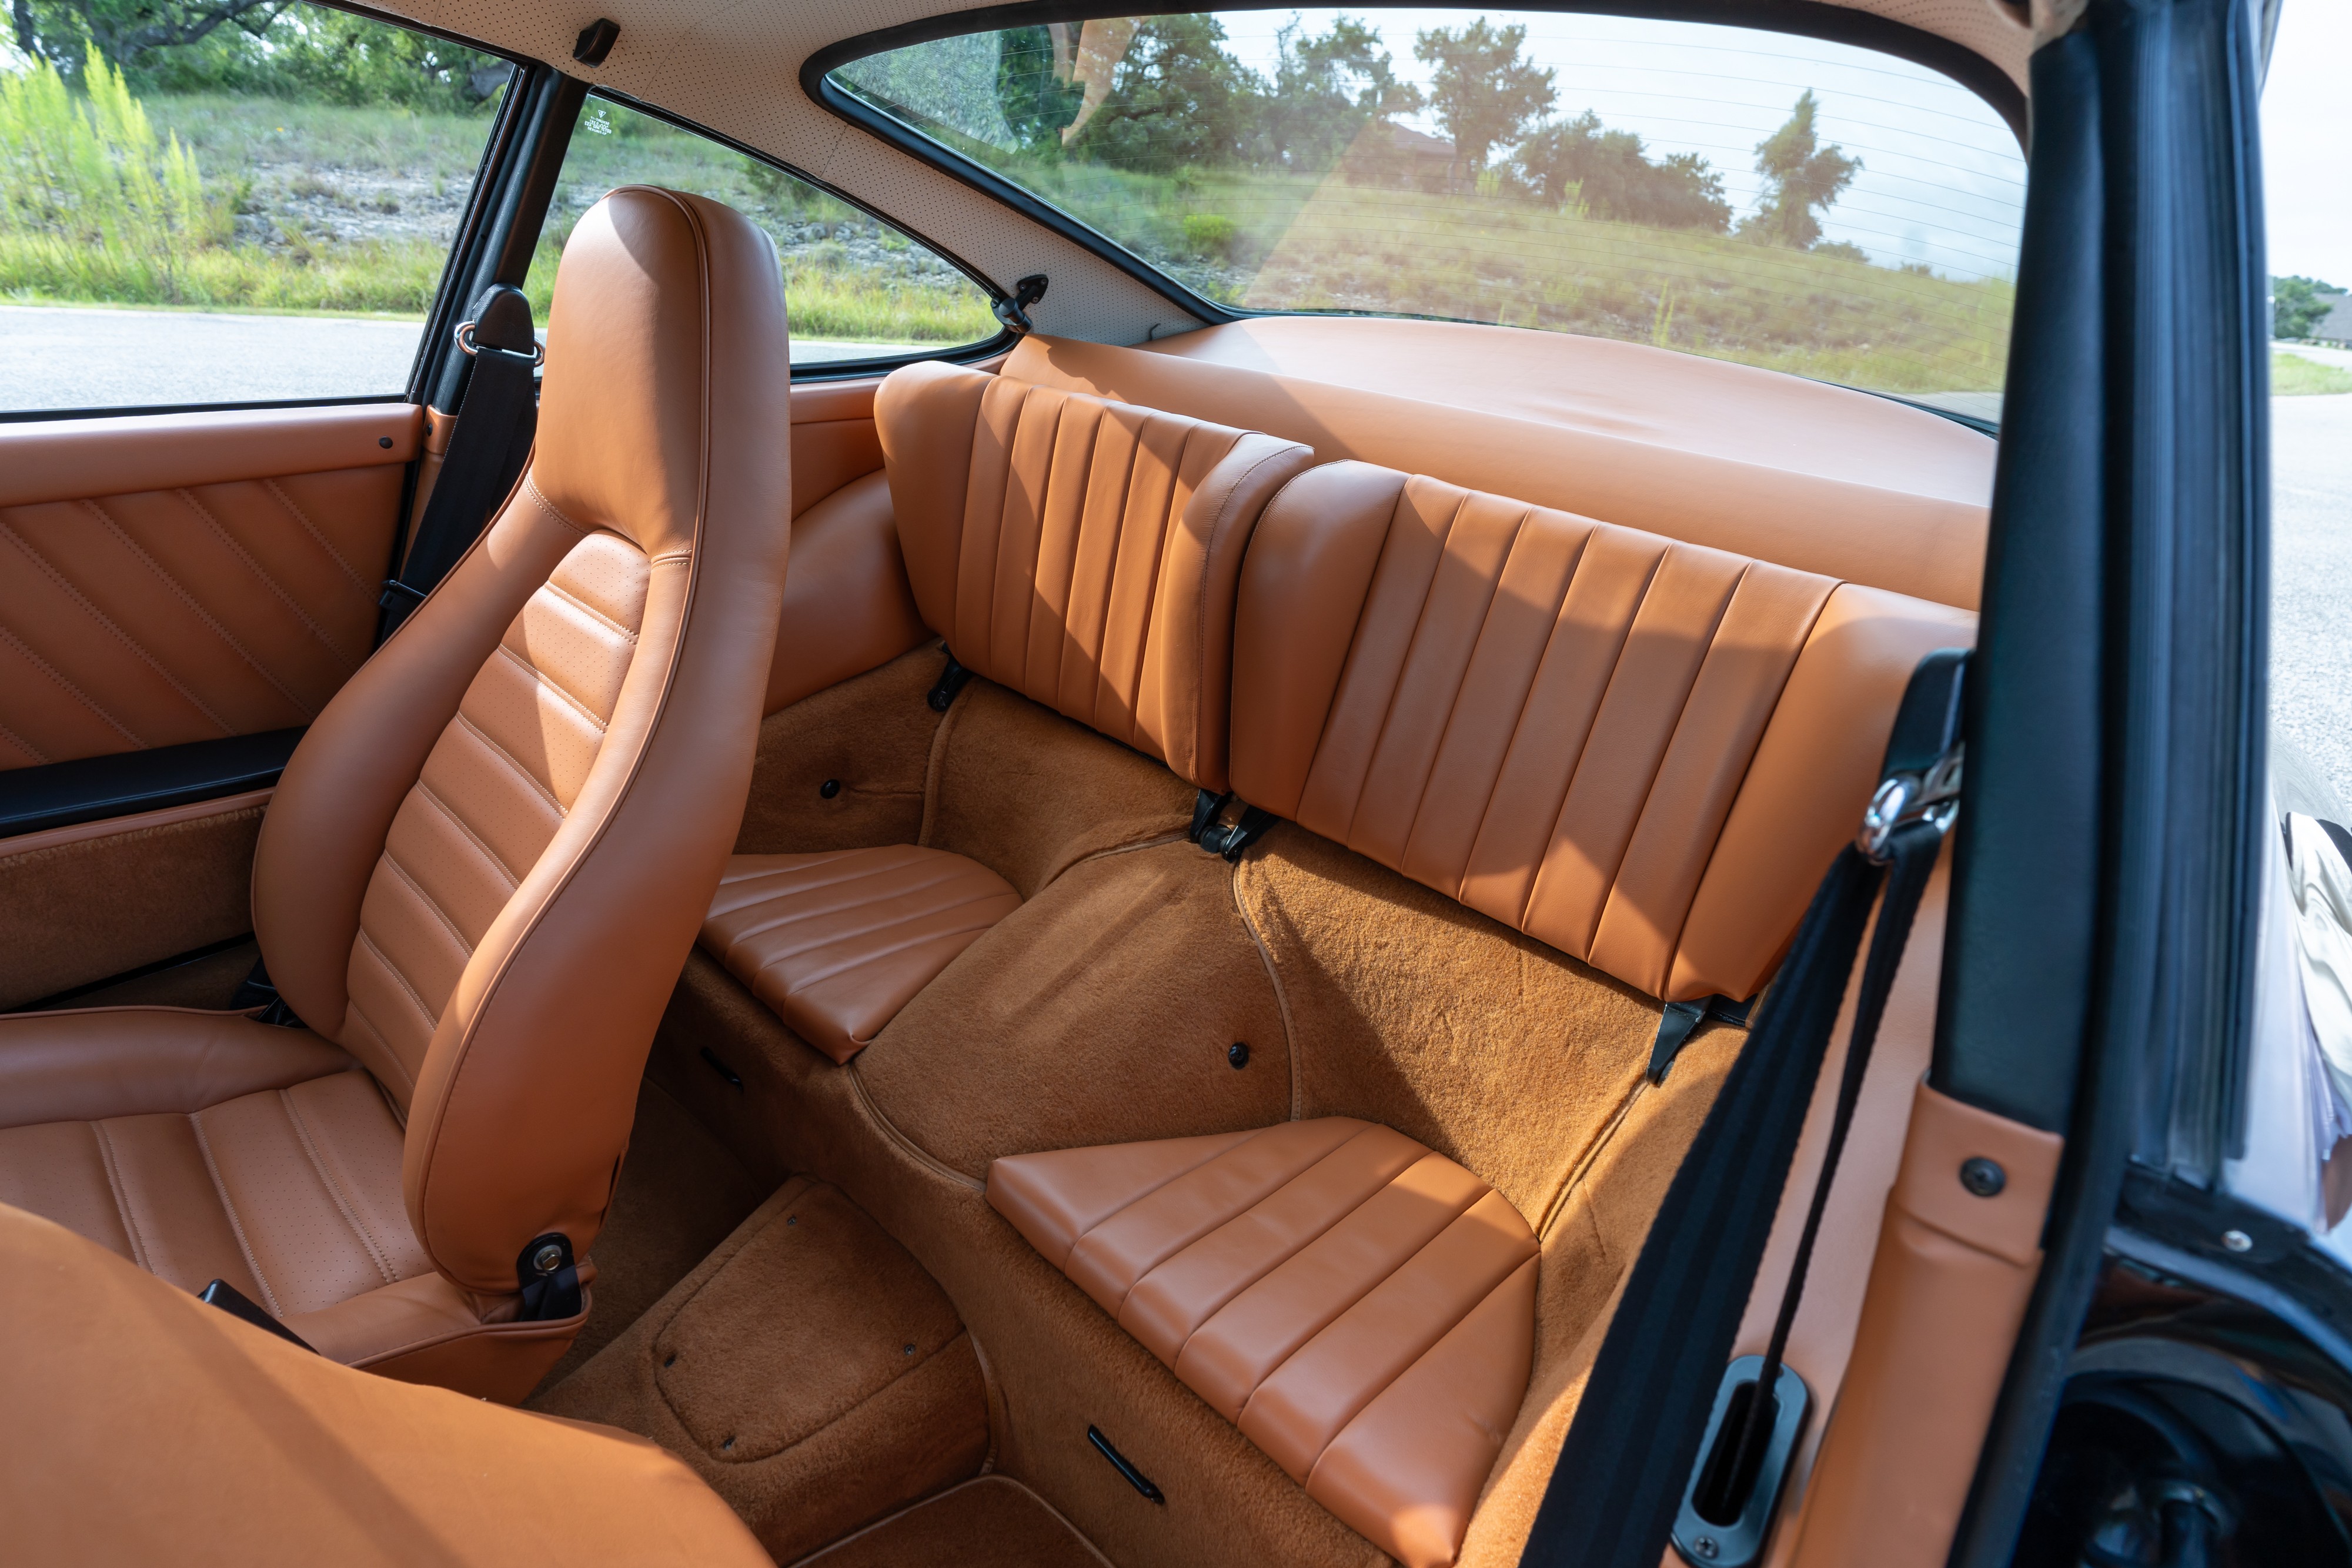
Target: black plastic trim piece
[
  {"x": 192, "y": 956},
  {"x": 1738, "y": 1541},
  {"x": 144, "y": 410},
  {"x": 1806, "y": 18},
  {"x": 244, "y": 1309},
  {"x": 60, "y": 794},
  {"x": 710, "y": 1059},
  {"x": 1125, "y": 1467}
]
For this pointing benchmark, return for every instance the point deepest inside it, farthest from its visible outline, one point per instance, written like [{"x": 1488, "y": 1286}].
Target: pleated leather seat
[
  {"x": 1362, "y": 1307},
  {"x": 1081, "y": 552},
  {"x": 837, "y": 942},
  {"x": 482, "y": 869}
]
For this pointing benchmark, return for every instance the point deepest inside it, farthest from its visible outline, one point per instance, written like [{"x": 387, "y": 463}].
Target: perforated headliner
[{"x": 735, "y": 66}]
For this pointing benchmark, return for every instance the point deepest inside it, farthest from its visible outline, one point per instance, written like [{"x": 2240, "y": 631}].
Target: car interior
[{"x": 1100, "y": 949}]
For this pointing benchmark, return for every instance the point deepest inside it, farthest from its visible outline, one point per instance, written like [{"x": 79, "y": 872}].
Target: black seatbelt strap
[
  {"x": 495, "y": 423},
  {"x": 1629, "y": 1464}
]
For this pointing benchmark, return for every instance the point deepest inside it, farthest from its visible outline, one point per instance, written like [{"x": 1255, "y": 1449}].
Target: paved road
[
  {"x": 2311, "y": 580},
  {"x": 62, "y": 357}
]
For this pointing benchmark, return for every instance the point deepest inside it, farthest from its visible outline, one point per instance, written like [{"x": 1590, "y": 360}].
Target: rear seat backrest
[
  {"x": 1083, "y": 553},
  {"x": 1641, "y": 752}
]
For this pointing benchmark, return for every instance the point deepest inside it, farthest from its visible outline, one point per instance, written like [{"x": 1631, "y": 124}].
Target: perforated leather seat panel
[
  {"x": 1362, "y": 1307},
  {"x": 837, "y": 942}
]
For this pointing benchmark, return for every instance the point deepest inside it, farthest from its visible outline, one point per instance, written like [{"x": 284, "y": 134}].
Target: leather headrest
[{"x": 659, "y": 299}]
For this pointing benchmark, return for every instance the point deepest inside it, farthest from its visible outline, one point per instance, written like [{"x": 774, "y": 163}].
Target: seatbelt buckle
[
  {"x": 1933, "y": 797},
  {"x": 1920, "y": 780}
]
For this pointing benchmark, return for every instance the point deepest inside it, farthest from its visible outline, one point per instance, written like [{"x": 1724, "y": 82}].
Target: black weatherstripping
[
  {"x": 2145, "y": 159},
  {"x": 89, "y": 789}
]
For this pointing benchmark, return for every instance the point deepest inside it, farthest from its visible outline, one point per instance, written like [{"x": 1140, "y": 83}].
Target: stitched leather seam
[
  {"x": 1453, "y": 699},
  {"x": 180, "y": 591},
  {"x": 253, "y": 566},
  {"x": 1658, "y": 763},
  {"x": 1329, "y": 1226},
  {"x": 1673, "y": 947},
  {"x": 1111, "y": 556},
  {"x": 432, "y": 1019},
  {"x": 1205, "y": 676},
  {"x": 334, "y": 1187},
  {"x": 25, "y": 652},
  {"x": 798, "y": 897},
  {"x": 1431, "y": 1344},
  {"x": 533, "y": 779},
  {"x": 1206, "y": 1159},
  {"x": 1404, "y": 665},
  {"x": 530, "y": 487},
  {"x": 63, "y": 585},
  {"x": 237, "y": 1226},
  {"x": 1069, "y": 586},
  {"x": 549, "y": 683},
  {"x": 833, "y": 934},
  {"x": 1372, "y": 1395},
  {"x": 565, "y": 594},
  {"x": 875, "y": 955},
  {"x": 358, "y": 580},
  {"x": 1152, "y": 575},
  {"x": 21, "y": 744},
  {"x": 1616, "y": 663},
  {"x": 122, "y": 1201},
  {"x": 391, "y": 1056},
  {"x": 431, "y": 904},
  {"x": 1520, "y": 718},
  {"x": 498, "y": 863}
]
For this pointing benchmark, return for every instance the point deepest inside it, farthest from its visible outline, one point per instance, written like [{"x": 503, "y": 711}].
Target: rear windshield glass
[{"x": 1801, "y": 205}]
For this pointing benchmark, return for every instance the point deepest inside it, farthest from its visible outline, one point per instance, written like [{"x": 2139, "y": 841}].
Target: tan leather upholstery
[
  {"x": 188, "y": 576},
  {"x": 1563, "y": 724},
  {"x": 1818, "y": 477},
  {"x": 837, "y": 942},
  {"x": 1362, "y": 1308},
  {"x": 847, "y": 609},
  {"x": 144, "y": 1426},
  {"x": 1081, "y": 553},
  {"x": 487, "y": 863}
]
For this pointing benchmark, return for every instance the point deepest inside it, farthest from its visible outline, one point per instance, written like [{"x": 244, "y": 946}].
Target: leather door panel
[
  {"x": 834, "y": 439},
  {"x": 177, "y": 577}
]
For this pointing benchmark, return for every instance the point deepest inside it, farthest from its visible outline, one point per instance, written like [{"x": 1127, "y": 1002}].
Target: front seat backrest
[
  {"x": 1083, "y": 553},
  {"x": 486, "y": 865}
]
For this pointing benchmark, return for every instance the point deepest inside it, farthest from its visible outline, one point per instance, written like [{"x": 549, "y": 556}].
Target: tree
[
  {"x": 1178, "y": 99},
  {"x": 128, "y": 33},
  {"x": 1800, "y": 175},
  {"x": 2299, "y": 304},
  {"x": 1608, "y": 173},
  {"x": 1326, "y": 89},
  {"x": 1485, "y": 95}
]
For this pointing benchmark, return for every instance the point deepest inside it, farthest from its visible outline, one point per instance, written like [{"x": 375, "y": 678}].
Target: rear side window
[
  {"x": 855, "y": 287},
  {"x": 192, "y": 213},
  {"x": 1801, "y": 205}
]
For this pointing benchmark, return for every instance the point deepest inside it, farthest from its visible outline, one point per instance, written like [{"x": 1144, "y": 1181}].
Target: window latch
[{"x": 1014, "y": 312}]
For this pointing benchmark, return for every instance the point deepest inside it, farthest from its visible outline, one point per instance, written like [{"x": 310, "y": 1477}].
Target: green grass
[
  {"x": 230, "y": 134},
  {"x": 309, "y": 207},
  {"x": 1282, "y": 241},
  {"x": 2292, "y": 375}
]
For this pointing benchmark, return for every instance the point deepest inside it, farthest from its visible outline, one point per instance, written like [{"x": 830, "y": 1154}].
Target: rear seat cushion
[
  {"x": 1083, "y": 553},
  {"x": 1640, "y": 752},
  {"x": 837, "y": 943},
  {"x": 1362, "y": 1307}
]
